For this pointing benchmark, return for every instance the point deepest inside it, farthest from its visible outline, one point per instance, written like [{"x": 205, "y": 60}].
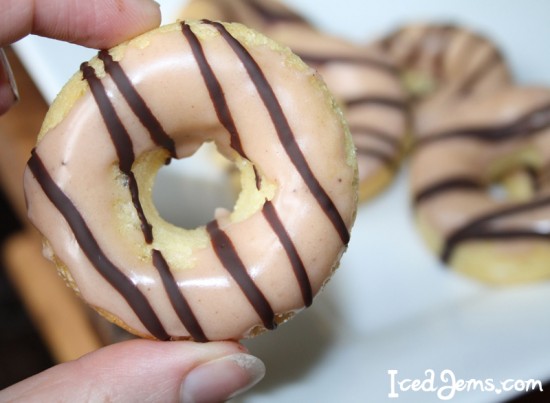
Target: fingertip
[
  {"x": 123, "y": 20},
  {"x": 96, "y": 24},
  {"x": 222, "y": 379}
]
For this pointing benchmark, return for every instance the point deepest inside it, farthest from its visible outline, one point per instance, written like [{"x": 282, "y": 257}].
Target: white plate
[{"x": 391, "y": 306}]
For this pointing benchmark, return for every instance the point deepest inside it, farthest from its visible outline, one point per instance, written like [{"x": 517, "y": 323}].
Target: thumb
[
  {"x": 144, "y": 370},
  {"x": 96, "y": 24}
]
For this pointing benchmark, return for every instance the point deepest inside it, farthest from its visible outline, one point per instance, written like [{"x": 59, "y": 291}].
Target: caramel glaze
[
  {"x": 523, "y": 129},
  {"x": 221, "y": 242},
  {"x": 365, "y": 82}
]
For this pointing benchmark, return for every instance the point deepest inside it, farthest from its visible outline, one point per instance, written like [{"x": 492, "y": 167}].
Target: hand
[
  {"x": 96, "y": 23},
  {"x": 137, "y": 370},
  {"x": 144, "y": 370}
]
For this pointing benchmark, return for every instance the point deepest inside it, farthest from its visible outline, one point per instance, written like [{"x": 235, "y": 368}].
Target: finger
[
  {"x": 143, "y": 370},
  {"x": 96, "y": 23}
]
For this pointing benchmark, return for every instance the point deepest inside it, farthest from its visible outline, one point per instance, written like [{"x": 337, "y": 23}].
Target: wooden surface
[{"x": 61, "y": 318}]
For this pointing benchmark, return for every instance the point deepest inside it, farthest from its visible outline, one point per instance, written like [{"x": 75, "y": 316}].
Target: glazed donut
[
  {"x": 480, "y": 193},
  {"x": 443, "y": 64},
  {"x": 160, "y": 96},
  {"x": 261, "y": 15},
  {"x": 365, "y": 82}
]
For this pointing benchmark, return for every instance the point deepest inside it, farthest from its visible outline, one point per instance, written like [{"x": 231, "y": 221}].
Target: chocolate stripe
[
  {"x": 416, "y": 50},
  {"x": 447, "y": 185},
  {"x": 528, "y": 124},
  {"x": 85, "y": 239},
  {"x": 284, "y": 132},
  {"x": 234, "y": 265},
  {"x": 215, "y": 90},
  {"x": 122, "y": 142},
  {"x": 224, "y": 116},
  {"x": 137, "y": 104},
  {"x": 481, "y": 72},
  {"x": 274, "y": 221},
  {"x": 508, "y": 235},
  {"x": 178, "y": 301},
  {"x": 477, "y": 228},
  {"x": 364, "y": 130},
  {"x": 383, "y": 157},
  {"x": 272, "y": 16},
  {"x": 378, "y": 101},
  {"x": 438, "y": 59},
  {"x": 318, "y": 59}
]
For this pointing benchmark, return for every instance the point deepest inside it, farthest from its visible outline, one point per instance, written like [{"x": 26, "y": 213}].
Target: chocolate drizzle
[
  {"x": 434, "y": 42},
  {"x": 225, "y": 118},
  {"x": 225, "y": 250},
  {"x": 113, "y": 275},
  {"x": 528, "y": 124},
  {"x": 121, "y": 141},
  {"x": 317, "y": 59},
  {"x": 284, "y": 131},
  {"x": 480, "y": 228},
  {"x": 221, "y": 243},
  {"x": 387, "y": 158},
  {"x": 214, "y": 89},
  {"x": 438, "y": 38},
  {"x": 384, "y": 137},
  {"x": 137, "y": 104},
  {"x": 123, "y": 144},
  {"x": 274, "y": 221},
  {"x": 272, "y": 16},
  {"x": 491, "y": 62},
  {"x": 451, "y": 184},
  {"x": 397, "y": 104},
  {"x": 178, "y": 301}
]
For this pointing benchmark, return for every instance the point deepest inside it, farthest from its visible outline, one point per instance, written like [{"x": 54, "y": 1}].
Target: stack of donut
[{"x": 480, "y": 144}]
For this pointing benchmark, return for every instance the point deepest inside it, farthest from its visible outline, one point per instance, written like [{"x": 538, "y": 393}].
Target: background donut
[
  {"x": 444, "y": 64},
  {"x": 496, "y": 142}
]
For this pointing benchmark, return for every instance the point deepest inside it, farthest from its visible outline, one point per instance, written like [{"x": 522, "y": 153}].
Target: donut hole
[
  {"x": 418, "y": 84},
  {"x": 180, "y": 198},
  {"x": 516, "y": 185},
  {"x": 188, "y": 191}
]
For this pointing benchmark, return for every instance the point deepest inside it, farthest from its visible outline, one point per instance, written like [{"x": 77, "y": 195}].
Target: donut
[
  {"x": 442, "y": 64},
  {"x": 261, "y": 15},
  {"x": 364, "y": 81},
  {"x": 132, "y": 109},
  {"x": 480, "y": 189}
]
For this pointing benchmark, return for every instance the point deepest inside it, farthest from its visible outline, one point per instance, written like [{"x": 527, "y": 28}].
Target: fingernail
[
  {"x": 8, "y": 88},
  {"x": 222, "y": 379}
]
